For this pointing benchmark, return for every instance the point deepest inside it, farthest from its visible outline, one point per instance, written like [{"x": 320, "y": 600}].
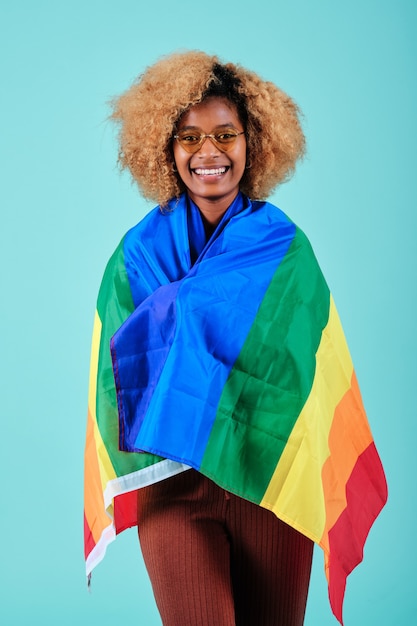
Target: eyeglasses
[{"x": 192, "y": 139}]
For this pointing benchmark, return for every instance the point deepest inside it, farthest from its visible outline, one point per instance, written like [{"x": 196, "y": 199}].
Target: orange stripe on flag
[
  {"x": 349, "y": 436},
  {"x": 96, "y": 518},
  {"x": 95, "y": 514}
]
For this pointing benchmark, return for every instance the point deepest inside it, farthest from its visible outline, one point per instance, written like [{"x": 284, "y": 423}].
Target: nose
[{"x": 208, "y": 147}]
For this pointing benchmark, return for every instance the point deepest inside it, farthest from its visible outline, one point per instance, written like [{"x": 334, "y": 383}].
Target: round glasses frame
[{"x": 192, "y": 140}]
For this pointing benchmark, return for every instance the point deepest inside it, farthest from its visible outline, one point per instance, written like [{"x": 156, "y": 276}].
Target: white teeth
[{"x": 210, "y": 172}]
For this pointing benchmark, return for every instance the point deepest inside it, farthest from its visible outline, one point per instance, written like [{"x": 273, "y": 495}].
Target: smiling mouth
[{"x": 212, "y": 171}]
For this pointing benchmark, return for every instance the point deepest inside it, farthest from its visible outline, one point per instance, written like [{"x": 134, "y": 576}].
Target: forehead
[{"x": 211, "y": 113}]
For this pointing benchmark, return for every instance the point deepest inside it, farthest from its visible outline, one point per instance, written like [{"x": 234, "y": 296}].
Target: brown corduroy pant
[{"x": 217, "y": 560}]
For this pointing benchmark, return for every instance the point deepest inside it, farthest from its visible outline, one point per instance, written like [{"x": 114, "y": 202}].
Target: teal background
[{"x": 351, "y": 66}]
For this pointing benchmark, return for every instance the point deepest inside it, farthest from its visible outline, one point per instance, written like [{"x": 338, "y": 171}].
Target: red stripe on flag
[
  {"x": 89, "y": 542},
  {"x": 366, "y": 494},
  {"x": 125, "y": 511}
]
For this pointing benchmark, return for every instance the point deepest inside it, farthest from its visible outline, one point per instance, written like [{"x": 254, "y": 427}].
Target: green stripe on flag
[
  {"x": 271, "y": 378},
  {"x": 114, "y": 305}
]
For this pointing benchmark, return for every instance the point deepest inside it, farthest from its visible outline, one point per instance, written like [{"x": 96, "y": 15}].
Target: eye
[
  {"x": 188, "y": 138},
  {"x": 226, "y": 136}
]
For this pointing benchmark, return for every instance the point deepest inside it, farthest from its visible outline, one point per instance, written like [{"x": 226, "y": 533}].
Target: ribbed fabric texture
[{"x": 217, "y": 560}]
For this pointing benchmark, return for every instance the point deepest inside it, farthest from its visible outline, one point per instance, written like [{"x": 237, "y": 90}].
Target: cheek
[
  {"x": 180, "y": 160},
  {"x": 175, "y": 152},
  {"x": 242, "y": 160},
  {"x": 243, "y": 154},
  {"x": 174, "y": 161}
]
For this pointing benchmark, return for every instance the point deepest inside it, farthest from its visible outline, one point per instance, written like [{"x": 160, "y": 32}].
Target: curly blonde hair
[{"x": 167, "y": 89}]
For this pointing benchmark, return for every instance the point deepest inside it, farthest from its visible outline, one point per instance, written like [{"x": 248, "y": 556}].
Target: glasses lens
[
  {"x": 226, "y": 138},
  {"x": 189, "y": 140}
]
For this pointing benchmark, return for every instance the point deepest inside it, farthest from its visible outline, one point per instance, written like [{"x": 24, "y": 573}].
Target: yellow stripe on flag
[
  {"x": 295, "y": 492},
  {"x": 98, "y": 465}
]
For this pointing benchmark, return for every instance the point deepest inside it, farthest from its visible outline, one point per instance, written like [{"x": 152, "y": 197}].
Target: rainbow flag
[{"x": 228, "y": 357}]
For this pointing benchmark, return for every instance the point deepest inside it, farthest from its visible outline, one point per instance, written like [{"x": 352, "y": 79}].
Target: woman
[{"x": 217, "y": 314}]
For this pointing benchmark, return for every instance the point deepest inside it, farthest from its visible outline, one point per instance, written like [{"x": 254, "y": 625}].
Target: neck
[{"x": 212, "y": 210}]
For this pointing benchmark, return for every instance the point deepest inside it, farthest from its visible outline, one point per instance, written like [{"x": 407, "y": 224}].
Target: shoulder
[
  {"x": 144, "y": 231},
  {"x": 274, "y": 217},
  {"x": 143, "y": 228},
  {"x": 124, "y": 249},
  {"x": 156, "y": 226},
  {"x": 280, "y": 225},
  {"x": 271, "y": 212}
]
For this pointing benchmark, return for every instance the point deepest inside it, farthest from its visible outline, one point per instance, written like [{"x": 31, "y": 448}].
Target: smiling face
[{"x": 212, "y": 174}]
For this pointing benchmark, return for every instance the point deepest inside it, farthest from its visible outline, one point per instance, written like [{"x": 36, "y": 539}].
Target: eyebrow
[{"x": 228, "y": 125}]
